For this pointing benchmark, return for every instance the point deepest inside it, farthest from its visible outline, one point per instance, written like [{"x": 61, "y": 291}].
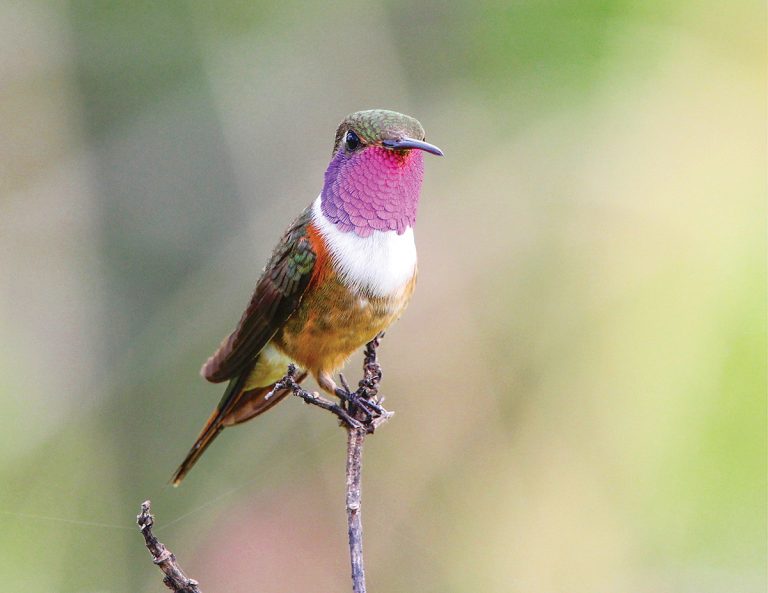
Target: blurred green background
[{"x": 579, "y": 381}]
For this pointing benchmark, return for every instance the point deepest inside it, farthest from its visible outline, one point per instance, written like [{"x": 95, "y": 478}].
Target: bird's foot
[
  {"x": 315, "y": 399},
  {"x": 342, "y": 413},
  {"x": 358, "y": 410},
  {"x": 363, "y": 408}
]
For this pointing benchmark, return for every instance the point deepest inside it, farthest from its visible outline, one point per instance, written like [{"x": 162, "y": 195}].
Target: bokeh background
[{"x": 579, "y": 382}]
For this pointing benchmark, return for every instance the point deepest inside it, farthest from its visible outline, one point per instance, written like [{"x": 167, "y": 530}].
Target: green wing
[{"x": 277, "y": 295}]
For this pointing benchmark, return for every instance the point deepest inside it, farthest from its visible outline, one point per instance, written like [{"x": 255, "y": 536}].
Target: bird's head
[
  {"x": 379, "y": 128},
  {"x": 374, "y": 178}
]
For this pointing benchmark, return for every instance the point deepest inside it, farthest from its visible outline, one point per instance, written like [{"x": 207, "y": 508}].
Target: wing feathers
[{"x": 277, "y": 295}]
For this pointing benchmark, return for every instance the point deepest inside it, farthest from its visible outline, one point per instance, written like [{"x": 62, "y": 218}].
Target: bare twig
[
  {"x": 289, "y": 382},
  {"x": 174, "y": 579},
  {"x": 360, "y": 413},
  {"x": 355, "y": 440}
]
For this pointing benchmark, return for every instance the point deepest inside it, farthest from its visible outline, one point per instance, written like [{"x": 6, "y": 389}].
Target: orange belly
[{"x": 333, "y": 322}]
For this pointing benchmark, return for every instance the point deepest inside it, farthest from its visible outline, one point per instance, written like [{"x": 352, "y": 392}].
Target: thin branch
[
  {"x": 355, "y": 441},
  {"x": 361, "y": 413},
  {"x": 289, "y": 382},
  {"x": 174, "y": 578}
]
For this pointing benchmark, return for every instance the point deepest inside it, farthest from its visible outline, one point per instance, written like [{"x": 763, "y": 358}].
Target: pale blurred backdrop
[{"x": 579, "y": 382}]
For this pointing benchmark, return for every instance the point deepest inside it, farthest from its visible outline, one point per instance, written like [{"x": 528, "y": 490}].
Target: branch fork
[
  {"x": 359, "y": 409},
  {"x": 360, "y": 412}
]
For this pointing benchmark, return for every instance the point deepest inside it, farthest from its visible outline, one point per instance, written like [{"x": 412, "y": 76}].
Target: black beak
[{"x": 406, "y": 143}]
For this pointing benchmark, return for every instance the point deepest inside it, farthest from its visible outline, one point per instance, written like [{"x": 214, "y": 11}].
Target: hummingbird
[{"x": 343, "y": 272}]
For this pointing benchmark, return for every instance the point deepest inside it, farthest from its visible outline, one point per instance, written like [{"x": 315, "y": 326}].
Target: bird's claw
[
  {"x": 354, "y": 401},
  {"x": 350, "y": 421}
]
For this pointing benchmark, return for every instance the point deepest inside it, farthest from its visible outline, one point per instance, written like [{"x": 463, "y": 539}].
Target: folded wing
[{"x": 277, "y": 295}]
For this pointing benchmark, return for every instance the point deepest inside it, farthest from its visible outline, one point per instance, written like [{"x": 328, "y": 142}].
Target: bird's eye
[{"x": 351, "y": 140}]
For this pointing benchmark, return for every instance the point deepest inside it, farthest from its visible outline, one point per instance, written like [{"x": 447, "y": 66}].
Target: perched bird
[{"x": 342, "y": 272}]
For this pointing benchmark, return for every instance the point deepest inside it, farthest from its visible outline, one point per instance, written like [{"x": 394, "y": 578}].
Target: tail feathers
[
  {"x": 210, "y": 431},
  {"x": 213, "y": 426},
  {"x": 236, "y": 406}
]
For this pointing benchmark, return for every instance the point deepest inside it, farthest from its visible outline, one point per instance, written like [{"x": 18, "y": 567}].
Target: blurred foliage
[{"x": 580, "y": 380}]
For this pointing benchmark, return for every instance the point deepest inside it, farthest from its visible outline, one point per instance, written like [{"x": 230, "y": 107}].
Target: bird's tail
[
  {"x": 213, "y": 426},
  {"x": 210, "y": 431},
  {"x": 237, "y": 405}
]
